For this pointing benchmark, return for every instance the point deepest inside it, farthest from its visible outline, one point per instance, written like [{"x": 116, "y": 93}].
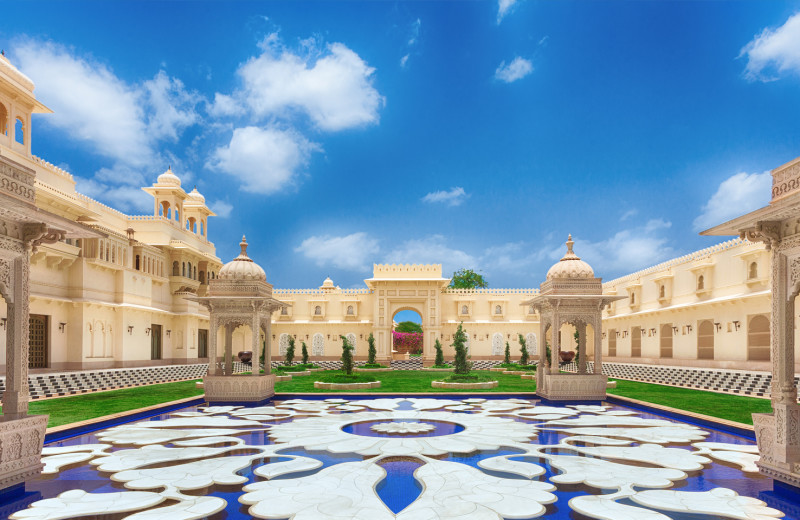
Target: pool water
[{"x": 331, "y": 449}]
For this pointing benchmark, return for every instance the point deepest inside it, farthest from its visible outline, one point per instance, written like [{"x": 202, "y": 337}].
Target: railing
[
  {"x": 493, "y": 292},
  {"x": 723, "y": 246},
  {"x": 52, "y": 167}
]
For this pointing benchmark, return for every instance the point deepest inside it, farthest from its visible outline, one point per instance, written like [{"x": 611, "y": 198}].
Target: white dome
[
  {"x": 328, "y": 282},
  {"x": 196, "y": 195},
  {"x": 570, "y": 266},
  {"x": 169, "y": 178},
  {"x": 242, "y": 267}
]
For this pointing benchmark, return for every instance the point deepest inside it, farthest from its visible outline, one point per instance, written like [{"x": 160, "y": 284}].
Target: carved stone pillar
[
  {"x": 598, "y": 344},
  {"x": 16, "y": 395},
  {"x": 255, "y": 325},
  {"x": 212, "y": 343},
  {"x": 229, "y": 349},
  {"x": 581, "y": 326},
  {"x": 268, "y": 345}
]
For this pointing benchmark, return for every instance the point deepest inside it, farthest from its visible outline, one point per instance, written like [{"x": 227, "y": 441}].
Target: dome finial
[
  {"x": 570, "y": 243},
  {"x": 243, "y": 245}
]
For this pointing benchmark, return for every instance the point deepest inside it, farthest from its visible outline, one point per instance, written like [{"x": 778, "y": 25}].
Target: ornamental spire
[{"x": 243, "y": 245}]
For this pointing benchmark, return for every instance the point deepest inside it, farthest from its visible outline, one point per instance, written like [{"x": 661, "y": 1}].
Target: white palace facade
[{"x": 121, "y": 300}]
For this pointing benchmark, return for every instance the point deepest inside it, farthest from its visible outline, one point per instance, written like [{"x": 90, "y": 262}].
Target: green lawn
[
  {"x": 65, "y": 410},
  {"x": 408, "y": 381},
  {"x": 736, "y": 408}
]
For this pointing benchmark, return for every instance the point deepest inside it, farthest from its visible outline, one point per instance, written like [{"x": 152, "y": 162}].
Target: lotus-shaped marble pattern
[{"x": 402, "y": 427}]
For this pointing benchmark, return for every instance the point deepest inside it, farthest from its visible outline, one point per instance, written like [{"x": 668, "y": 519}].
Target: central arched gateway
[{"x": 407, "y": 287}]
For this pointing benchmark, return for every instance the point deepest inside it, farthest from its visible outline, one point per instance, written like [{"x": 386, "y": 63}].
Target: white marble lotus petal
[
  {"x": 78, "y": 503},
  {"x": 56, "y": 457},
  {"x": 209, "y": 441},
  {"x": 675, "y": 458},
  {"x": 337, "y": 492},
  {"x": 123, "y": 460},
  {"x": 142, "y": 436},
  {"x": 724, "y": 446},
  {"x": 382, "y": 403},
  {"x": 656, "y": 434},
  {"x": 719, "y": 502},
  {"x": 601, "y": 420},
  {"x": 207, "y": 421},
  {"x": 603, "y": 474},
  {"x": 296, "y": 464},
  {"x": 453, "y": 490},
  {"x": 429, "y": 403},
  {"x": 402, "y": 427},
  {"x": 746, "y": 461},
  {"x": 601, "y": 508},
  {"x": 193, "y": 475},
  {"x": 515, "y": 467},
  {"x": 187, "y": 509},
  {"x": 262, "y": 410}
]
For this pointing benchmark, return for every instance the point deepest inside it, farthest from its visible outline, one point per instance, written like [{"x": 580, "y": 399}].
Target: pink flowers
[{"x": 410, "y": 342}]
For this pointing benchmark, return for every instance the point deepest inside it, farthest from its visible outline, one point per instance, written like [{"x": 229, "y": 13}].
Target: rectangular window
[
  {"x": 202, "y": 343},
  {"x": 666, "y": 340},
  {"x": 155, "y": 341}
]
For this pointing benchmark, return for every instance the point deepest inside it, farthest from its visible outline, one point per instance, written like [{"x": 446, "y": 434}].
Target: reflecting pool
[{"x": 405, "y": 458}]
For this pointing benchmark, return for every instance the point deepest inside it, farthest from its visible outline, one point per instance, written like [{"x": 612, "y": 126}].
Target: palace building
[{"x": 124, "y": 299}]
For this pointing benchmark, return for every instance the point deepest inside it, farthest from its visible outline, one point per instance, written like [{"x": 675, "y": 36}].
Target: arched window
[
  {"x": 163, "y": 209},
  {"x": 137, "y": 263},
  {"x": 612, "y": 342},
  {"x": 633, "y": 298},
  {"x": 701, "y": 283},
  {"x": 317, "y": 311},
  {"x": 662, "y": 292},
  {"x": 705, "y": 340},
  {"x": 176, "y": 270},
  {"x": 19, "y": 130},
  {"x": 753, "y": 271},
  {"x": 464, "y": 309},
  {"x": 531, "y": 310},
  {"x": 498, "y": 309},
  {"x": 350, "y": 310},
  {"x": 283, "y": 344},
  {"x": 666, "y": 340},
  {"x": 497, "y": 344},
  {"x": 530, "y": 344},
  {"x": 201, "y": 227},
  {"x": 284, "y": 311},
  {"x": 758, "y": 338},
  {"x": 183, "y": 268},
  {"x": 3, "y": 120},
  {"x": 169, "y": 212},
  {"x": 318, "y": 345},
  {"x": 194, "y": 273},
  {"x": 202, "y": 277}
]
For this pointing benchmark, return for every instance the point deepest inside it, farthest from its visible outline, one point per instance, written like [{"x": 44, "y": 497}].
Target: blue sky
[{"x": 472, "y": 134}]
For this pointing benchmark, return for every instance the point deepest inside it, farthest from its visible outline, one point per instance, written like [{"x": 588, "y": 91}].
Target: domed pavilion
[
  {"x": 571, "y": 294},
  {"x": 239, "y": 296}
]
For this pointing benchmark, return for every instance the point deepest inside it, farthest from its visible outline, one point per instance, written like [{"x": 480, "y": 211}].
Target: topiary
[
  {"x": 439, "y": 361},
  {"x": 507, "y": 357},
  {"x": 372, "y": 351},
  {"x": 289, "y": 356},
  {"x": 304, "y": 353},
  {"x": 347, "y": 356},
  {"x": 523, "y": 360},
  {"x": 460, "y": 364}
]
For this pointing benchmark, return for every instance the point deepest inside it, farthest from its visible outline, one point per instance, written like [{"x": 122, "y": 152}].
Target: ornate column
[
  {"x": 212, "y": 342},
  {"x": 598, "y": 344},
  {"x": 16, "y": 395},
  {"x": 229, "y": 348},
  {"x": 581, "y": 326},
  {"x": 268, "y": 344},
  {"x": 255, "y": 325}
]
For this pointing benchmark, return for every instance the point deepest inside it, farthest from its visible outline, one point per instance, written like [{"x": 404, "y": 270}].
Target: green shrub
[
  {"x": 347, "y": 356},
  {"x": 577, "y": 337},
  {"x": 304, "y": 353},
  {"x": 507, "y": 356},
  {"x": 439, "y": 361},
  {"x": 290, "y": 351},
  {"x": 523, "y": 360},
  {"x": 468, "y": 378},
  {"x": 372, "y": 351},
  {"x": 460, "y": 364},
  {"x": 339, "y": 377}
]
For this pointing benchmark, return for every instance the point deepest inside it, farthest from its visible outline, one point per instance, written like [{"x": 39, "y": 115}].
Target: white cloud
[
  {"x": 332, "y": 85},
  {"x": 774, "y": 52},
  {"x": 453, "y": 197},
  {"x": 628, "y": 214},
  {"x": 404, "y": 61},
  {"x": 224, "y": 105},
  {"x": 173, "y": 107},
  {"x": 221, "y": 208},
  {"x": 504, "y": 7},
  {"x": 413, "y": 39},
  {"x": 265, "y": 160},
  {"x": 626, "y": 251},
  {"x": 431, "y": 250},
  {"x": 736, "y": 195},
  {"x": 517, "y": 69},
  {"x": 125, "y": 197},
  {"x": 90, "y": 103},
  {"x": 353, "y": 252}
]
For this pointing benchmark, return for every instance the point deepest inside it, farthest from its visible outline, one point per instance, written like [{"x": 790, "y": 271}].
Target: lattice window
[
  {"x": 283, "y": 344},
  {"x": 497, "y": 344},
  {"x": 318, "y": 345},
  {"x": 531, "y": 345}
]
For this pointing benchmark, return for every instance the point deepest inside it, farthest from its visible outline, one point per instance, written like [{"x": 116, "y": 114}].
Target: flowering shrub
[{"x": 404, "y": 342}]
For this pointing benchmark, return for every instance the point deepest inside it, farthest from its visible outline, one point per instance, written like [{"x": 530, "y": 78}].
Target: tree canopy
[
  {"x": 468, "y": 279},
  {"x": 408, "y": 326}
]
